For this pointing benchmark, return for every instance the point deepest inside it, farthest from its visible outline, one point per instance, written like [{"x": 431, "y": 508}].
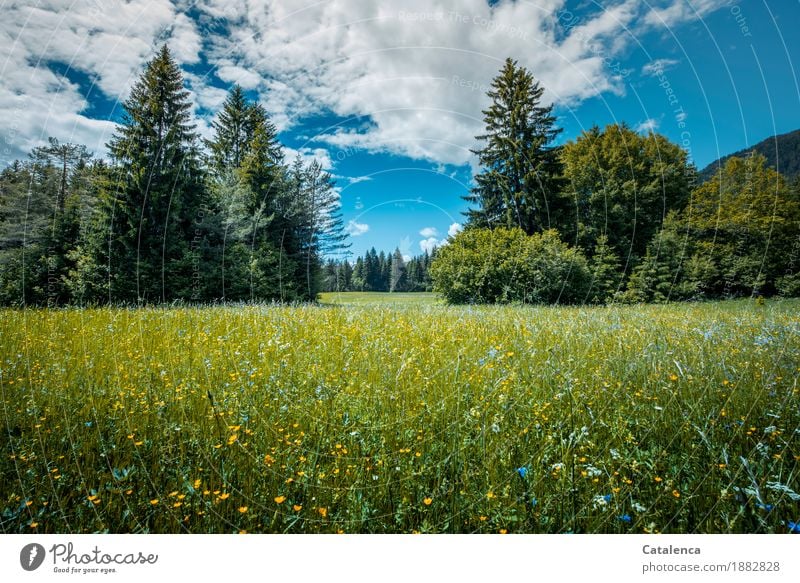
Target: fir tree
[
  {"x": 605, "y": 268},
  {"x": 397, "y": 278},
  {"x": 159, "y": 188},
  {"x": 519, "y": 183}
]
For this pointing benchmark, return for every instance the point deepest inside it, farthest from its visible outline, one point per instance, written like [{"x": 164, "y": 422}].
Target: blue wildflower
[
  {"x": 88, "y": 423},
  {"x": 625, "y": 518},
  {"x": 523, "y": 472},
  {"x": 607, "y": 497},
  {"x": 794, "y": 527},
  {"x": 766, "y": 507},
  {"x": 534, "y": 501}
]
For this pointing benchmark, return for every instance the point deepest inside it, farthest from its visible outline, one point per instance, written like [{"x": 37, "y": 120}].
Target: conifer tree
[
  {"x": 605, "y": 268},
  {"x": 519, "y": 182},
  {"x": 397, "y": 278},
  {"x": 159, "y": 189}
]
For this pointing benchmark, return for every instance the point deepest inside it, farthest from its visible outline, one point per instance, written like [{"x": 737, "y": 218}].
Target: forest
[
  {"x": 379, "y": 272},
  {"x": 612, "y": 216},
  {"x": 169, "y": 217}
]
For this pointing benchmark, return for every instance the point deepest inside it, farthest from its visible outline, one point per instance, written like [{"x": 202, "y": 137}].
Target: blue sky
[{"x": 388, "y": 98}]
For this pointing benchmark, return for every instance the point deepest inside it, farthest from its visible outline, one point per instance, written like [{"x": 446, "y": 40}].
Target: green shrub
[{"x": 505, "y": 265}]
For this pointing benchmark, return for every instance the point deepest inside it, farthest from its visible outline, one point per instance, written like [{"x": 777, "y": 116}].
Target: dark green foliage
[
  {"x": 43, "y": 204},
  {"x": 157, "y": 193},
  {"x": 605, "y": 272},
  {"x": 506, "y": 265},
  {"x": 380, "y": 272},
  {"x": 622, "y": 185},
  {"x": 158, "y": 225},
  {"x": 165, "y": 221},
  {"x": 745, "y": 222},
  {"x": 519, "y": 184},
  {"x": 738, "y": 237}
]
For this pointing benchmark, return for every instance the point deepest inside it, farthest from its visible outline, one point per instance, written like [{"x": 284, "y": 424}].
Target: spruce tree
[
  {"x": 519, "y": 183},
  {"x": 234, "y": 129},
  {"x": 260, "y": 256},
  {"x": 321, "y": 221},
  {"x": 158, "y": 193},
  {"x": 397, "y": 276},
  {"x": 605, "y": 268}
]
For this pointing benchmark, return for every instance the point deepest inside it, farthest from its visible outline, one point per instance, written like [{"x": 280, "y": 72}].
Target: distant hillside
[{"x": 782, "y": 152}]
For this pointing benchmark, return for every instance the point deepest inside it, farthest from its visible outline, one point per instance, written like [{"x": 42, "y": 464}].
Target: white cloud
[
  {"x": 677, "y": 11},
  {"x": 430, "y": 244},
  {"x": 357, "y": 179},
  {"x": 108, "y": 41},
  {"x": 415, "y": 77},
  {"x": 658, "y": 66},
  {"x": 454, "y": 229},
  {"x": 350, "y": 180},
  {"x": 355, "y": 229},
  {"x": 648, "y": 125},
  {"x": 321, "y": 155},
  {"x": 431, "y": 240},
  {"x": 239, "y": 76}
]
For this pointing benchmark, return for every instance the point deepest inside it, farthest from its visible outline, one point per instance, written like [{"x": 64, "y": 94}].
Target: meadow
[{"x": 362, "y": 415}]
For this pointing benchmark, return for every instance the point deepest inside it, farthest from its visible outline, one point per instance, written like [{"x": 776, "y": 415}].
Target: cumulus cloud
[
  {"x": 430, "y": 244},
  {"x": 417, "y": 75},
  {"x": 106, "y": 41},
  {"x": 431, "y": 240},
  {"x": 356, "y": 229},
  {"x": 321, "y": 155},
  {"x": 414, "y": 77}
]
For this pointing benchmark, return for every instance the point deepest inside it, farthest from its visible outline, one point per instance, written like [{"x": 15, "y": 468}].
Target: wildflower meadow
[{"x": 382, "y": 417}]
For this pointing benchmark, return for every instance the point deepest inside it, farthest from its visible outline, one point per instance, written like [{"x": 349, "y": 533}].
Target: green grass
[
  {"x": 401, "y": 418},
  {"x": 368, "y": 298}
]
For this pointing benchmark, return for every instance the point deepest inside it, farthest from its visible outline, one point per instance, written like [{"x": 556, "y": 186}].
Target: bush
[{"x": 505, "y": 265}]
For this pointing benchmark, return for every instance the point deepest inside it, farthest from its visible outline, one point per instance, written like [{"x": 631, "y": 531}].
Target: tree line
[
  {"x": 614, "y": 215},
  {"x": 382, "y": 272},
  {"x": 169, "y": 216}
]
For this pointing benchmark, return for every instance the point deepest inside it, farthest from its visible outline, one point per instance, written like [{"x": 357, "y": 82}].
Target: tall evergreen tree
[
  {"x": 397, "y": 277},
  {"x": 159, "y": 189},
  {"x": 234, "y": 130},
  {"x": 519, "y": 182},
  {"x": 321, "y": 225},
  {"x": 260, "y": 244}
]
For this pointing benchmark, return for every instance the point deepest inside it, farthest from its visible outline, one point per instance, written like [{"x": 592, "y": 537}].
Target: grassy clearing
[
  {"x": 369, "y": 298},
  {"x": 401, "y": 418}
]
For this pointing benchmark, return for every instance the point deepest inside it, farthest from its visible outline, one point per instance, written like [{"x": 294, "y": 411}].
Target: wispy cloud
[
  {"x": 428, "y": 232},
  {"x": 648, "y": 125},
  {"x": 658, "y": 66}
]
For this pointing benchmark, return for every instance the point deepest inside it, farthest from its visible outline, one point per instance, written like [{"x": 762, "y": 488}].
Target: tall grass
[{"x": 680, "y": 418}]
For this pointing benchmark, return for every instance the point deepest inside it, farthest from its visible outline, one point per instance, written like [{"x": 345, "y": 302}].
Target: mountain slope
[{"x": 782, "y": 152}]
